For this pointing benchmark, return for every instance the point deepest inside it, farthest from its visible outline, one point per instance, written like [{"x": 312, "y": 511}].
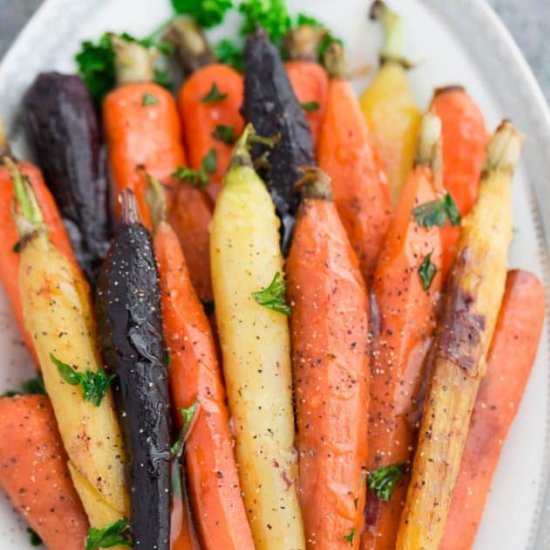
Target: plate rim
[{"x": 497, "y": 39}]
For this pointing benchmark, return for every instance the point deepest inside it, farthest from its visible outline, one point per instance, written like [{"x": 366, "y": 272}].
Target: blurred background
[{"x": 528, "y": 20}]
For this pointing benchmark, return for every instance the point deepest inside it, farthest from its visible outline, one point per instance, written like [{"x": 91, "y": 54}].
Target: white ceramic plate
[{"x": 457, "y": 41}]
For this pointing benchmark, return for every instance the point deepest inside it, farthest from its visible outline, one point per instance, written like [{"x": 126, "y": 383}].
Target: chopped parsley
[
  {"x": 230, "y": 54},
  {"x": 113, "y": 535},
  {"x": 427, "y": 271},
  {"x": 350, "y": 536},
  {"x": 214, "y": 95},
  {"x": 187, "y": 415},
  {"x": 34, "y": 538},
  {"x": 225, "y": 134},
  {"x": 163, "y": 79},
  {"x": 149, "y": 99},
  {"x": 310, "y": 106},
  {"x": 437, "y": 212},
  {"x": 207, "y": 13},
  {"x": 167, "y": 359},
  {"x": 383, "y": 481},
  {"x": 94, "y": 384},
  {"x": 198, "y": 178},
  {"x": 34, "y": 386},
  {"x": 273, "y": 296}
]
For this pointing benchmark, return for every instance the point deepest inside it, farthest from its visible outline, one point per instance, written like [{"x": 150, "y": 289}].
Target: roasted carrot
[
  {"x": 406, "y": 288},
  {"x": 329, "y": 333},
  {"x": 464, "y": 334},
  {"x": 509, "y": 364},
  {"x": 347, "y": 154},
  {"x": 309, "y": 79},
  {"x": 195, "y": 381},
  {"x": 34, "y": 473},
  {"x": 9, "y": 266},
  {"x": 465, "y": 138},
  {"x": 389, "y": 105},
  {"x": 142, "y": 127},
  {"x": 209, "y": 102},
  {"x": 190, "y": 217}
]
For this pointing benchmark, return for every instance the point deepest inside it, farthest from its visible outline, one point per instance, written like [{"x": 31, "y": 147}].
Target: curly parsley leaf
[
  {"x": 437, "y": 212},
  {"x": 214, "y": 95},
  {"x": 310, "y": 106},
  {"x": 383, "y": 481},
  {"x": 94, "y": 384},
  {"x": 225, "y": 134},
  {"x": 149, "y": 99},
  {"x": 427, "y": 271},
  {"x": 273, "y": 296},
  {"x": 229, "y": 53},
  {"x": 115, "y": 534},
  {"x": 198, "y": 178},
  {"x": 207, "y": 13},
  {"x": 210, "y": 161},
  {"x": 350, "y": 536},
  {"x": 272, "y": 15}
]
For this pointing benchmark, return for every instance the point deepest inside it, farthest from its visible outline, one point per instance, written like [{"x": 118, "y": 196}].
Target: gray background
[{"x": 529, "y": 21}]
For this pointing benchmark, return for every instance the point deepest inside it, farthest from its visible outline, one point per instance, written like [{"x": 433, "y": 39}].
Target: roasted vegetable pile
[{"x": 266, "y": 313}]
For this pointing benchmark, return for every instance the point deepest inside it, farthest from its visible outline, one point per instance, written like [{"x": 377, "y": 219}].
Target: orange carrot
[
  {"x": 190, "y": 217},
  {"x": 142, "y": 128},
  {"x": 34, "y": 473},
  {"x": 209, "y": 103},
  {"x": 465, "y": 138},
  {"x": 195, "y": 379},
  {"x": 509, "y": 364},
  {"x": 346, "y": 153},
  {"x": 406, "y": 297},
  {"x": 9, "y": 266},
  {"x": 310, "y": 83},
  {"x": 329, "y": 330}
]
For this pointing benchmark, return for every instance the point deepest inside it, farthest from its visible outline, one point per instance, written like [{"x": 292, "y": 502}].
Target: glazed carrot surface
[
  {"x": 329, "y": 327},
  {"x": 407, "y": 313},
  {"x": 346, "y": 153},
  {"x": 195, "y": 378},
  {"x": 9, "y": 266},
  {"x": 34, "y": 473},
  {"x": 190, "y": 218},
  {"x": 202, "y": 116},
  {"x": 310, "y": 83},
  {"x": 143, "y": 134},
  {"x": 465, "y": 139},
  {"x": 509, "y": 364}
]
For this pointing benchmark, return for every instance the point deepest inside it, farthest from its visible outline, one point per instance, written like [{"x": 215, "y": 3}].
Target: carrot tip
[
  {"x": 130, "y": 214},
  {"x": 314, "y": 184},
  {"x": 133, "y": 61},
  {"x": 336, "y": 62},
  {"x": 430, "y": 151},
  {"x": 449, "y": 89}
]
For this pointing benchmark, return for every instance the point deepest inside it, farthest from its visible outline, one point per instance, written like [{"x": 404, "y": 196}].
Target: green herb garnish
[
  {"x": 437, "y": 212},
  {"x": 163, "y": 79},
  {"x": 113, "y": 535},
  {"x": 350, "y": 536},
  {"x": 225, "y": 134},
  {"x": 167, "y": 359},
  {"x": 96, "y": 66},
  {"x": 149, "y": 99},
  {"x": 272, "y": 15},
  {"x": 207, "y": 13},
  {"x": 34, "y": 386},
  {"x": 310, "y": 106},
  {"x": 198, "y": 178},
  {"x": 214, "y": 95},
  {"x": 273, "y": 296},
  {"x": 94, "y": 384},
  {"x": 210, "y": 161},
  {"x": 427, "y": 271},
  {"x": 187, "y": 415},
  {"x": 383, "y": 481},
  {"x": 304, "y": 19},
  {"x": 34, "y": 538},
  {"x": 229, "y": 53}
]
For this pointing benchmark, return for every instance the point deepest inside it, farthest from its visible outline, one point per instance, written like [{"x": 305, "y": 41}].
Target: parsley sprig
[
  {"x": 34, "y": 386},
  {"x": 199, "y": 178},
  {"x": 214, "y": 95},
  {"x": 115, "y": 534},
  {"x": 437, "y": 212},
  {"x": 225, "y": 134},
  {"x": 310, "y": 106},
  {"x": 427, "y": 271},
  {"x": 207, "y": 13},
  {"x": 350, "y": 536},
  {"x": 383, "y": 481},
  {"x": 273, "y": 296},
  {"x": 94, "y": 384}
]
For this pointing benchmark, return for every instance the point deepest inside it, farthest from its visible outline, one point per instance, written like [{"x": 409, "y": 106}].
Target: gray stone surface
[{"x": 529, "y": 21}]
